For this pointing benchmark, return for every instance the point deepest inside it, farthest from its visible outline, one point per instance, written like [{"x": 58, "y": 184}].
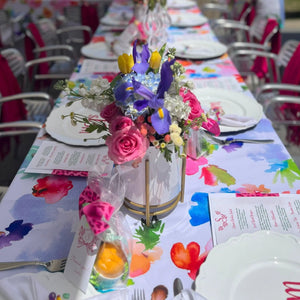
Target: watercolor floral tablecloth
[{"x": 39, "y": 214}]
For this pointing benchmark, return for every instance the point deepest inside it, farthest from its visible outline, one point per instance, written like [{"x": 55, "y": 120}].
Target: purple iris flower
[
  {"x": 140, "y": 104},
  {"x": 123, "y": 91},
  {"x": 161, "y": 119},
  {"x": 140, "y": 89},
  {"x": 166, "y": 78},
  {"x": 161, "y": 123},
  {"x": 156, "y": 102},
  {"x": 141, "y": 64}
]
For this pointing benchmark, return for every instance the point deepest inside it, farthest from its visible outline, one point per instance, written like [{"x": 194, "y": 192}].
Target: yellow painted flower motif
[
  {"x": 155, "y": 60},
  {"x": 177, "y": 139},
  {"x": 125, "y": 63}
]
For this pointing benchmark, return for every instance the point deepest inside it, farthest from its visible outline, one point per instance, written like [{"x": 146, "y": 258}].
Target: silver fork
[
  {"x": 54, "y": 265},
  {"x": 138, "y": 294}
]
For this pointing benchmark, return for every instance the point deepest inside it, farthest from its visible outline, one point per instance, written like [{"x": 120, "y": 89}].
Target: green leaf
[
  {"x": 115, "y": 80},
  {"x": 162, "y": 49}
]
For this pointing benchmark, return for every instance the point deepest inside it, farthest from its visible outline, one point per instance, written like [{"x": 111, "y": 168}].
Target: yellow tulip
[
  {"x": 155, "y": 60},
  {"x": 125, "y": 63}
]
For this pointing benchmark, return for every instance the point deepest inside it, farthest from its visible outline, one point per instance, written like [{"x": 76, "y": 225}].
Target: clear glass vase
[{"x": 156, "y": 23}]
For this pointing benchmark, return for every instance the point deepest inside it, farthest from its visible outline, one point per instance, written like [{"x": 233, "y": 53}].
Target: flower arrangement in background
[{"x": 147, "y": 104}]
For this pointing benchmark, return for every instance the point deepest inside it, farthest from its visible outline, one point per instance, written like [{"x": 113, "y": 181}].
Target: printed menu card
[
  {"x": 52, "y": 156},
  {"x": 234, "y": 214}
]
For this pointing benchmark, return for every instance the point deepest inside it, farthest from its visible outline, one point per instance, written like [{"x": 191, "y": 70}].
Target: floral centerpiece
[{"x": 147, "y": 104}]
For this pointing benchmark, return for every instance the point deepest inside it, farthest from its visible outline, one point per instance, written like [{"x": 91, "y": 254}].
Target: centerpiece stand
[{"x": 149, "y": 210}]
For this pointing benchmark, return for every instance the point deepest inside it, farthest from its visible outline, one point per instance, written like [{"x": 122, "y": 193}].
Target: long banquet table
[{"x": 39, "y": 213}]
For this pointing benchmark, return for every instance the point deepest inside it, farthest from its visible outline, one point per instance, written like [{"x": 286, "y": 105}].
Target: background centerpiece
[{"x": 146, "y": 113}]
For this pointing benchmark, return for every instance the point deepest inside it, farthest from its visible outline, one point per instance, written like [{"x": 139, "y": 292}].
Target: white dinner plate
[
  {"x": 261, "y": 265},
  {"x": 197, "y": 49},
  {"x": 181, "y": 4},
  {"x": 187, "y": 20},
  {"x": 99, "y": 50},
  {"x": 63, "y": 131},
  {"x": 231, "y": 102},
  {"x": 116, "y": 20}
]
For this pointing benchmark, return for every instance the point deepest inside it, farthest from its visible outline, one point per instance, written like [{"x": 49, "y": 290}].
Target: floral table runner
[{"x": 39, "y": 214}]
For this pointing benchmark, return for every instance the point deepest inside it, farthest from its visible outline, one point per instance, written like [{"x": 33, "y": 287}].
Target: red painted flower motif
[
  {"x": 188, "y": 258},
  {"x": 52, "y": 189}
]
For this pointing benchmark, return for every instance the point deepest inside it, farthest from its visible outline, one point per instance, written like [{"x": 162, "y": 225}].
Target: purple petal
[
  {"x": 161, "y": 125},
  {"x": 140, "y": 68},
  {"x": 140, "y": 104},
  {"x": 142, "y": 90},
  {"x": 145, "y": 55},
  {"x": 166, "y": 78},
  {"x": 123, "y": 91},
  {"x": 156, "y": 103},
  {"x": 141, "y": 64},
  {"x": 134, "y": 52}
]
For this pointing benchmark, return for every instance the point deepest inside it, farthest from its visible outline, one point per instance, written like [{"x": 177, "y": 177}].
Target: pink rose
[
  {"x": 196, "y": 109},
  {"x": 127, "y": 144},
  {"x": 110, "y": 111},
  {"x": 119, "y": 123}
]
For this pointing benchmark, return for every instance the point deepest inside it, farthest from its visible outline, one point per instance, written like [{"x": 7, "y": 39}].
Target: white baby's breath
[{"x": 176, "y": 107}]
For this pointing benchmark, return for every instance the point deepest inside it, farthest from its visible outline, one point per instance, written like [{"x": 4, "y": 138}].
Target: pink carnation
[
  {"x": 196, "y": 109},
  {"x": 127, "y": 144},
  {"x": 119, "y": 123},
  {"x": 110, "y": 111}
]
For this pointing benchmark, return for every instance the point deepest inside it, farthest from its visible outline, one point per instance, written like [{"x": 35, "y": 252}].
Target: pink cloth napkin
[
  {"x": 260, "y": 66},
  {"x": 12, "y": 110},
  {"x": 291, "y": 75},
  {"x": 89, "y": 17},
  {"x": 250, "y": 17},
  {"x": 29, "y": 47}
]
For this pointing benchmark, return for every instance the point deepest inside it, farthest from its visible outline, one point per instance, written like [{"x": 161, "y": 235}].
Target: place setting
[
  {"x": 63, "y": 130},
  {"x": 187, "y": 20},
  {"x": 199, "y": 49},
  {"x": 100, "y": 50},
  {"x": 234, "y": 110},
  {"x": 177, "y": 4},
  {"x": 256, "y": 248}
]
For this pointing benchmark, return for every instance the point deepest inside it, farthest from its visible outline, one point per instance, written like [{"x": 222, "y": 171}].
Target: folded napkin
[
  {"x": 237, "y": 121},
  {"x": 260, "y": 64},
  {"x": 13, "y": 110},
  {"x": 89, "y": 17},
  {"x": 30, "y": 46},
  {"x": 291, "y": 75}
]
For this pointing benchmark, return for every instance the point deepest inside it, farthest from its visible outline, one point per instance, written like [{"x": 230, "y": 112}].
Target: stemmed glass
[{"x": 156, "y": 22}]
